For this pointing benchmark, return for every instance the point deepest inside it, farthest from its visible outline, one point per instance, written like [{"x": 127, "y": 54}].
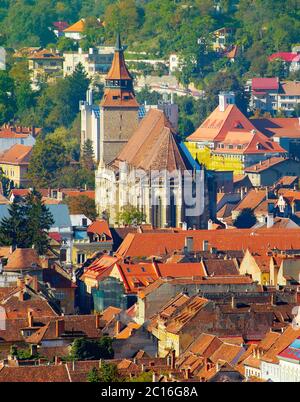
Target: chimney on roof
[
  {"x": 232, "y": 302},
  {"x": 225, "y": 99},
  {"x": 118, "y": 327},
  {"x": 172, "y": 359},
  {"x": 205, "y": 245},
  {"x": 59, "y": 328},
  {"x": 187, "y": 373},
  {"x": 30, "y": 318},
  {"x": 98, "y": 321},
  {"x": 270, "y": 220},
  {"x": 273, "y": 299},
  {"x": 189, "y": 244}
]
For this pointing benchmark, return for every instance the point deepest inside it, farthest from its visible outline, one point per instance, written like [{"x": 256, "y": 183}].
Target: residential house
[
  {"x": 45, "y": 66},
  {"x": 14, "y": 163},
  {"x": 271, "y": 95},
  {"x": 284, "y": 131},
  {"x": 279, "y": 363},
  {"x": 76, "y": 30},
  {"x": 96, "y": 61},
  {"x": 152, "y": 298},
  {"x": 290, "y": 59},
  {"x": 227, "y": 140},
  {"x": 222, "y": 39},
  {"x": 11, "y": 135},
  {"x": 62, "y": 226},
  {"x": 61, "y": 286},
  {"x": 58, "y": 28},
  {"x": 266, "y": 173},
  {"x": 91, "y": 239},
  {"x": 258, "y": 265},
  {"x": 24, "y": 261},
  {"x": 178, "y": 323}
]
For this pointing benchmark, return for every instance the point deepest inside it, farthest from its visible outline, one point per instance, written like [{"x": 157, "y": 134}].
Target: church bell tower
[{"x": 118, "y": 108}]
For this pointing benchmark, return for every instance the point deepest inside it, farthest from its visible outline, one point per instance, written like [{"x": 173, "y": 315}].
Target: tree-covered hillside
[{"x": 162, "y": 26}]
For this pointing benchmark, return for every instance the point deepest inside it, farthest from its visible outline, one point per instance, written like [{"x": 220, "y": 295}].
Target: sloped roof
[
  {"x": 281, "y": 343},
  {"x": 289, "y": 57},
  {"x": 18, "y": 154},
  {"x": 22, "y": 258},
  {"x": 265, "y": 165},
  {"x": 282, "y": 127},
  {"x": 58, "y": 373},
  {"x": 232, "y": 127},
  {"x": 265, "y": 83},
  {"x": 145, "y": 244},
  {"x": 99, "y": 227},
  {"x": 78, "y": 26},
  {"x": 251, "y": 200},
  {"x": 61, "y": 215},
  {"x": 154, "y": 146},
  {"x": 219, "y": 123}
]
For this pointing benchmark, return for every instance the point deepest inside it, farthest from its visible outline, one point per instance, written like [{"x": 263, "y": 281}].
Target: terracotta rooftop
[
  {"x": 100, "y": 227},
  {"x": 16, "y": 155},
  {"x": 281, "y": 343},
  {"x": 251, "y": 200},
  {"x": 279, "y": 127},
  {"x": 78, "y": 26},
  {"x": 34, "y": 374},
  {"x": 259, "y": 84},
  {"x": 219, "y": 123},
  {"x": 266, "y": 164},
  {"x": 154, "y": 146},
  {"x": 23, "y": 259},
  {"x": 156, "y": 244},
  {"x": 45, "y": 54},
  {"x": 219, "y": 267}
]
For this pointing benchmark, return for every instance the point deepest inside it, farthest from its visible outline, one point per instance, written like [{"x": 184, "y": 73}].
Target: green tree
[
  {"x": 106, "y": 373},
  {"x": 82, "y": 205},
  {"x": 87, "y": 155},
  {"x": 87, "y": 349},
  {"x": 12, "y": 228},
  {"x": 47, "y": 160},
  {"x": 146, "y": 376},
  {"x": 246, "y": 219},
  {"x": 38, "y": 221},
  {"x": 27, "y": 224},
  {"x": 130, "y": 215},
  {"x": 7, "y": 99}
]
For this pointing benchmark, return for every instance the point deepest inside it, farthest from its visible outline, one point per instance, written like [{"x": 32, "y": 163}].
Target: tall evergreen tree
[
  {"x": 38, "y": 220},
  {"x": 87, "y": 155},
  {"x": 12, "y": 231},
  {"x": 27, "y": 224}
]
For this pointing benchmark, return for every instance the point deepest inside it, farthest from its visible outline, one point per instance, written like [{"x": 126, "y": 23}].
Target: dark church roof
[{"x": 154, "y": 146}]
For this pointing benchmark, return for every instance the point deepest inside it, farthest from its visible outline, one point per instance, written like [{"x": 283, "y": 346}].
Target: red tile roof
[
  {"x": 34, "y": 374},
  {"x": 218, "y": 124},
  {"x": 288, "y": 127},
  {"x": 237, "y": 134},
  {"x": 289, "y": 57},
  {"x": 23, "y": 259},
  {"x": 154, "y": 146},
  {"x": 100, "y": 227},
  {"x": 78, "y": 26},
  {"x": 145, "y": 244},
  {"x": 16, "y": 155},
  {"x": 265, "y": 83}
]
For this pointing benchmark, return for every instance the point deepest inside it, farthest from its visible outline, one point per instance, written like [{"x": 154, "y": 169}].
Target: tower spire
[{"x": 118, "y": 47}]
